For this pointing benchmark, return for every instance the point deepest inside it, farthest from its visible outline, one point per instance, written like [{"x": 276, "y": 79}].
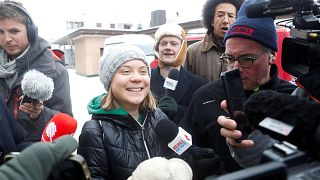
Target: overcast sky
[{"x": 50, "y": 15}]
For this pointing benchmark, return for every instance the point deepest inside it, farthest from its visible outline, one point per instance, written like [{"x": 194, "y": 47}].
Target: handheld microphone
[
  {"x": 285, "y": 118},
  {"x": 59, "y": 125},
  {"x": 36, "y": 86},
  {"x": 178, "y": 139},
  {"x": 171, "y": 81}
]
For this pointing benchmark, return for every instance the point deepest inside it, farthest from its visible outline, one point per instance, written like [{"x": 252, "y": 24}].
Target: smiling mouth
[{"x": 135, "y": 89}]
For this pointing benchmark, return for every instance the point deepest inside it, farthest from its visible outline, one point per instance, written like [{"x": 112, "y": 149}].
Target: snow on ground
[{"x": 82, "y": 90}]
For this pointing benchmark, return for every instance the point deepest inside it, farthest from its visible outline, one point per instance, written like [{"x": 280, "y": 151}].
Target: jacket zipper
[{"x": 143, "y": 138}]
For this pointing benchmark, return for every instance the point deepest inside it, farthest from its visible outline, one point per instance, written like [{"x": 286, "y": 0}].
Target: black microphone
[
  {"x": 285, "y": 118},
  {"x": 270, "y": 8},
  {"x": 171, "y": 81},
  {"x": 177, "y": 138},
  {"x": 203, "y": 161},
  {"x": 36, "y": 86}
]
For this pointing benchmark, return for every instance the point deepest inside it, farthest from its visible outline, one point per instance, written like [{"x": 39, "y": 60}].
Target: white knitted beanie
[
  {"x": 116, "y": 56},
  {"x": 177, "y": 31}
]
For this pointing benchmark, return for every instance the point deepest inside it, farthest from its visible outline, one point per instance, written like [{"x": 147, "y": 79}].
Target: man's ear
[{"x": 272, "y": 58}]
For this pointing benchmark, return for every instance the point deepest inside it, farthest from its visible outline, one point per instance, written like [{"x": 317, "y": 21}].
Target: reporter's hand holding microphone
[
  {"x": 37, "y": 88},
  {"x": 167, "y": 103}
]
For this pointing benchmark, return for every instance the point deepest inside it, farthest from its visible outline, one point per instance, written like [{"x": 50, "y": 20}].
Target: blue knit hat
[{"x": 261, "y": 30}]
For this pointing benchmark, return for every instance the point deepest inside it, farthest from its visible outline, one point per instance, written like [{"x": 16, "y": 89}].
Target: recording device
[
  {"x": 286, "y": 118},
  {"x": 36, "y": 86},
  {"x": 178, "y": 139},
  {"x": 233, "y": 89},
  {"x": 171, "y": 81},
  {"x": 59, "y": 125},
  {"x": 235, "y": 96},
  {"x": 304, "y": 30},
  {"x": 293, "y": 121}
]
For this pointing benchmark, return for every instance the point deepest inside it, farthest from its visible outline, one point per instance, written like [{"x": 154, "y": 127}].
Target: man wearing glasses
[{"x": 251, "y": 45}]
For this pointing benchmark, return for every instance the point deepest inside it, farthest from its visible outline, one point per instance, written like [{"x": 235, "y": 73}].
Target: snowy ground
[{"x": 83, "y": 89}]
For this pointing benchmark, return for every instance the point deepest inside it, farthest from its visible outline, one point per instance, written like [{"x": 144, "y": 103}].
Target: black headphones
[{"x": 32, "y": 29}]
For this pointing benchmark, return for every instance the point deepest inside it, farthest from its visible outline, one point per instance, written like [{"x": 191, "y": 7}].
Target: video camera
[{"x": 301, "y": 50}]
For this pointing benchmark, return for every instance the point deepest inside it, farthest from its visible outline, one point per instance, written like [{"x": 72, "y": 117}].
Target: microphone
[
  {"x": 60, "y": 124},
  {"x": 203, "y": 161},
  {"x": 36, "y": 86},
  {"x": 270, "y": 8},
  {"x": 178, "y": 139},
  {"x": 285, "y": 118},
  {"x": 162, "y": 168},
  {"x": 171, "y": 81}
]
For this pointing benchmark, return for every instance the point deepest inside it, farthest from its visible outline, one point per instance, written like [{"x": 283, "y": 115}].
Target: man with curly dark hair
[{"x": 203, "y": 56}]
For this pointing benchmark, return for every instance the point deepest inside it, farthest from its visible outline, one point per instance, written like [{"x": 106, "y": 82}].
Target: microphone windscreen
[
  {"x": 161, "y": 168},
  {"x": 59, "y": 125},
  {"x": 174, "y": 74},
  {"x": 166, "y": 130},
  {"x": 37, "y": 85},
  {"x": 298, "y": 113}
]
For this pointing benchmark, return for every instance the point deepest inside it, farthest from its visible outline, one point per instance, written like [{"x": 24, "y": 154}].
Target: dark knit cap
[{"x": 261, "y": 30}]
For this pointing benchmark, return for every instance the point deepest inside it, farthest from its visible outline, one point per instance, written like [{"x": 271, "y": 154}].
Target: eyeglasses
[{"x": 245, "y": 61}]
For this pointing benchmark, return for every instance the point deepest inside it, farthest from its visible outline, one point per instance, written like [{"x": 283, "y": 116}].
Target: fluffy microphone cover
[
  {"x": 159, "y": 168},
  {"x": 37, "y": 85}
]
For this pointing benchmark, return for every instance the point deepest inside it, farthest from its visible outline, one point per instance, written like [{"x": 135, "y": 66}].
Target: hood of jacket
[{"x": 38, "y": 57}]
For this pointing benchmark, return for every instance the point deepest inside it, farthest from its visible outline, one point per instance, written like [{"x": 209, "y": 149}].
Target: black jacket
[
  {"x": 12, "y": 135},
  {"x": 188, "y": 83},
  {"x": 200, "y": 119},
  {"x": 114, "y": 150}
]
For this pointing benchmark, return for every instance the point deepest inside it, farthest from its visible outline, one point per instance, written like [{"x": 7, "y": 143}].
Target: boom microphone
[
  {"x": 171, "y": 81},
  {"x": 285, "y": 118},
  {"x": 36, "y": 86},
  {"x": 59, "y": 125}
]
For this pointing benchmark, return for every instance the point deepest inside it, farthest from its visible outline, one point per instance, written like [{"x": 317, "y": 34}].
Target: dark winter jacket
[
  {"x": 187, "y": 84},
  {"x": 12, "y": 135},
  {"x": 200, "y": 119},
  {"x": 39, "y": 57},
  {"x": 114, "y": 143}
]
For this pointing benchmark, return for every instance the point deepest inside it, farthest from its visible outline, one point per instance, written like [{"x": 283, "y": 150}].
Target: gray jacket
[{"x": 39, "y": 57}]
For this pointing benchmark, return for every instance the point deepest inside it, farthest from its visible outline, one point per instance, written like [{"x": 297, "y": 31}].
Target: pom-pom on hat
[
  {"x": 176, "y": 31},
  {"x": 261, "y": 30},
  {"x": 116, "y": 56}
]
